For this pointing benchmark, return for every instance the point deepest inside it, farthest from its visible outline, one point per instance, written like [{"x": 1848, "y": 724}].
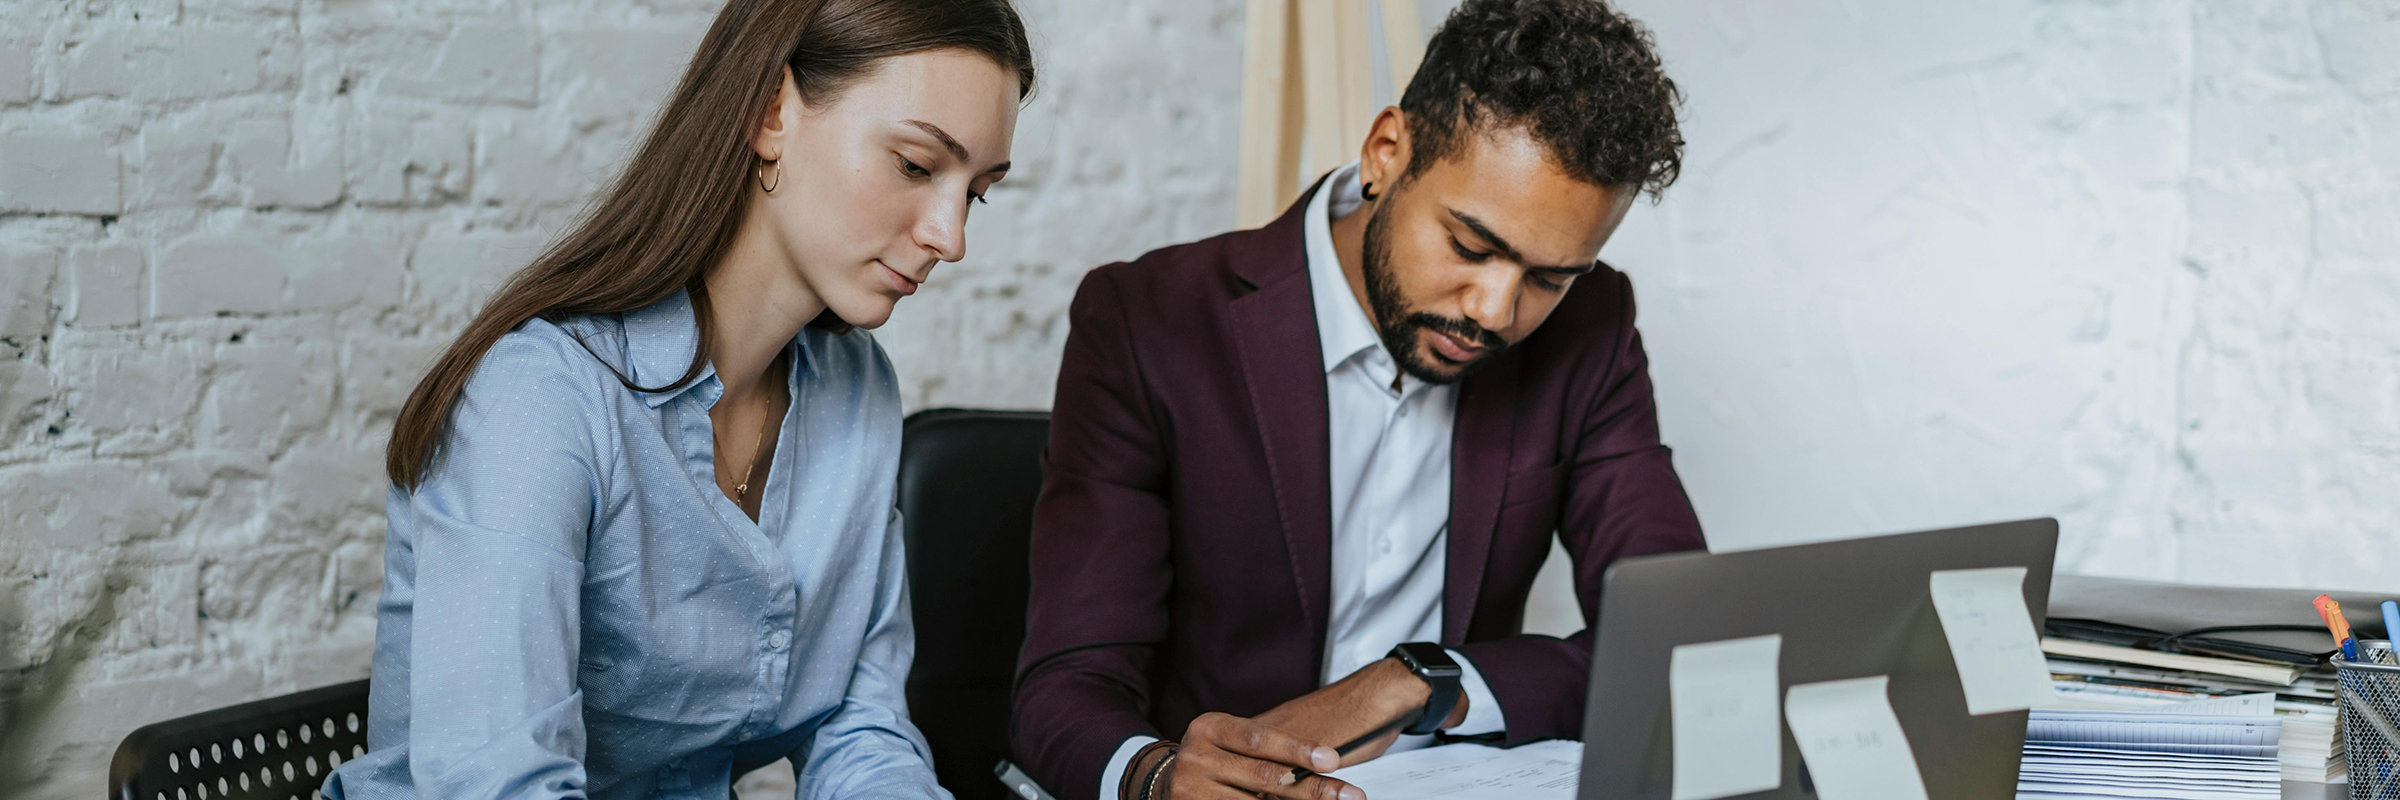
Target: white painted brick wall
[
  {"x": 2125, "y": 263},
  {"x": 232, "y": 233}
]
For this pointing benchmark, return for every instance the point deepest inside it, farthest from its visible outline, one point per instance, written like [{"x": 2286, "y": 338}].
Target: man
[{"x": 1279, "y": 455}]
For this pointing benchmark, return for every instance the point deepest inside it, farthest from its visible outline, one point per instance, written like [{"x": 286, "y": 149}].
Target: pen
[
  {"x": 2339, "y": 625},
  {"x": 2391, "y": 625}
]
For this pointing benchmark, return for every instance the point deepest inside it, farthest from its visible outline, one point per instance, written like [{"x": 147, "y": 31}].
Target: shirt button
[{"x": 778, "y": 640}]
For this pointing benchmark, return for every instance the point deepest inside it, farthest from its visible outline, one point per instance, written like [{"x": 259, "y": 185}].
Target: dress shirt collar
[
  {"x": 1343, "y": 329},
  {"x": 660, "y": 338}
]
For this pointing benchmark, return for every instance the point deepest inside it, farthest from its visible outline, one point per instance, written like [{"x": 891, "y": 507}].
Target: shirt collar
[
  {"x": 1343, "y": 330},
  {"x": 660, "y": 338}
]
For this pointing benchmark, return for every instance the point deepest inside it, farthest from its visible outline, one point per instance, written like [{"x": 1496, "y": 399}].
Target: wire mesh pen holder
[{"x": 2370, "y": 712}]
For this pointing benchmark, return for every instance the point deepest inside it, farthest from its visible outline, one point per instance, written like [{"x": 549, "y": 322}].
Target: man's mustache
[{"x": 1491, "y": 342}]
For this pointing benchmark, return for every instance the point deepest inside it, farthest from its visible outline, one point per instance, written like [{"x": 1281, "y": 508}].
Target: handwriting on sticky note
[
  {"x": 1851, "y": 740},
  {"x": 1728, "y": 732},
  {"x": 2000, "y": 662}
]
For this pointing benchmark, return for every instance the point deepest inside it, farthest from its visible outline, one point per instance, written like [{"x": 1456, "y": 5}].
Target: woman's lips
[{"x": 900, "y": 283}]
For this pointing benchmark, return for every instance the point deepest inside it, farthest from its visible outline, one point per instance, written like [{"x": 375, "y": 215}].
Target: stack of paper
[
  {"x": 2312, "y": 743},
  {"x": 2246, "y": 670},
  {"x": 2311, "y": 748},
  {"x": 2216, "y": 749}
]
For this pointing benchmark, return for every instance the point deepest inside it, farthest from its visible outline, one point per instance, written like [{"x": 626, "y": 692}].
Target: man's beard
[{"x": 1398, "y": 326}]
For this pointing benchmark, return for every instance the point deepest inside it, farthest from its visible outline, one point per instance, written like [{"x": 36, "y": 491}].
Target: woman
[{"x": 641, "y": 511}]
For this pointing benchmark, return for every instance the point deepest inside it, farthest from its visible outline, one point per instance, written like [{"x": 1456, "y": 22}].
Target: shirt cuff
[
  {"x": 1117, "y": 764},
  {"x": 1483, "y": 709}
]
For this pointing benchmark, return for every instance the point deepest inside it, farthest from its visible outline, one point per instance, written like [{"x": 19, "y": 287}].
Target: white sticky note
[
  {"x": 1851, "y": 740},
  {"x": 1728, "y": 732},
  {"x": 1999, "y": 657}
]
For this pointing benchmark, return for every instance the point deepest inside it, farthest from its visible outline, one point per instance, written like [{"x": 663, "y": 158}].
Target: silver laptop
[{"x": 1846, "y": 609}]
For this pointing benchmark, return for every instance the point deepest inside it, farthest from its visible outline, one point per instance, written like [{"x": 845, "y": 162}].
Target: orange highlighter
[{"x": 2339, "y": 625}]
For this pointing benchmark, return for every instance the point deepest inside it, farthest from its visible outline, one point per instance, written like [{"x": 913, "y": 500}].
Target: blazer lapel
[
  {"x": 1275, "y": 330},
  {"x": 1480, "y": 446}
]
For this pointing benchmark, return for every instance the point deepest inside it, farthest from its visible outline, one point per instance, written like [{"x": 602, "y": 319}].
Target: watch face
[{"x": 1429, "y": 660}]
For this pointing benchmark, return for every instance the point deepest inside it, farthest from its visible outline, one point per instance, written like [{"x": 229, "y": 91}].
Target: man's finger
[
  {"x": 1212, "y": 773},
  {"x": 1211, "y": 791},
  {"x": 1260, "y": 740},
  {"x": 1318, "y": 787}
]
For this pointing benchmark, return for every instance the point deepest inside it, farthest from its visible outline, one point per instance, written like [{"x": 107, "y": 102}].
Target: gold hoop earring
[{"x": 762, "y": 174}]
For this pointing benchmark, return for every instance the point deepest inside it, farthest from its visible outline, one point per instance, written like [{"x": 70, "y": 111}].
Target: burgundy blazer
[{"x": 1182, "y": 544}]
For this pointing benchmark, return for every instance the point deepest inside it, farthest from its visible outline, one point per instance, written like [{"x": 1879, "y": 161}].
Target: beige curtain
[{"x": 1307, "y": 91}]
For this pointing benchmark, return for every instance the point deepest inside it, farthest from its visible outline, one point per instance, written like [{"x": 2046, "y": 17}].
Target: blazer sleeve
[
  {"x": 1099, "y": 557},
  {"x": 1622, "y": 498}
]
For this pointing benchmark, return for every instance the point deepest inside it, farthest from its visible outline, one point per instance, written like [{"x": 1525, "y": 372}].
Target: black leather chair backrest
[
  {"x": 968, "y": 480},
  {"x": 280, "y": 748}
]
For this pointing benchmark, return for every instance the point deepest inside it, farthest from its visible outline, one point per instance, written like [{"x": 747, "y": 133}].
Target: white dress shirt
[{"x": 1390, "y": 461}]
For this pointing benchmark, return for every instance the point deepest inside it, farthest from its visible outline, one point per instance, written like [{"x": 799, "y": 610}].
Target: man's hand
[
  {"x": 1351, "y": 707},
  {"x": 1225, "y": 757}
]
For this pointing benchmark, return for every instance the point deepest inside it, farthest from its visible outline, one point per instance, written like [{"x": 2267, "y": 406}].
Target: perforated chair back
[
  {"x": 280, "y": 748},
  {"x": 968, "y": 481}
]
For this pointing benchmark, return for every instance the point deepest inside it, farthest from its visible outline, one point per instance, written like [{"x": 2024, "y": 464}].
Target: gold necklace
[{"x": 741, "y": 491}]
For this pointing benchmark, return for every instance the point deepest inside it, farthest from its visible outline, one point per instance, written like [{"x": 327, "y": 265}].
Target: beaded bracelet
[
  {"x": 1126, "y": 783},
  {"x": 1150, "y": 784}
]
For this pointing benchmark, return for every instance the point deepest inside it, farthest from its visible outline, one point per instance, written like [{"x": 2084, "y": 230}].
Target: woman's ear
[{"x": 783, "y": 115}]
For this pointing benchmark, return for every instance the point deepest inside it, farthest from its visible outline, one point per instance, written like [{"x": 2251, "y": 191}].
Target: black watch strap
[{"x": 1433, "y": 664}]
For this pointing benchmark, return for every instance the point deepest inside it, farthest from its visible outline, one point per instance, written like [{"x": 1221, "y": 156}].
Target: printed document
[{"x": 1538, "y": 771}]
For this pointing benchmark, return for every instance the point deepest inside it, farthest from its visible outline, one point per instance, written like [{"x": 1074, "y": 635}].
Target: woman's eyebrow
[
  {"x": 950, "y": 143},
  {"x": 942, "y": 136}
]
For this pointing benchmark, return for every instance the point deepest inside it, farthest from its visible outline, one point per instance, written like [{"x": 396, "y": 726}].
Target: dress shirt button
[{"x": 778, "y": 640}]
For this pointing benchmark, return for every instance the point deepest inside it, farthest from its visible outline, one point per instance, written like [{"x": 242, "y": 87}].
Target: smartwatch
[{"x": 1433, "y": 664}]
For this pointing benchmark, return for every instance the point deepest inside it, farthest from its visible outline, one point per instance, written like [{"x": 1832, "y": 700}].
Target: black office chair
[
  {"x": 280, "y": 748},
  {"x": 968, "y": 480}
]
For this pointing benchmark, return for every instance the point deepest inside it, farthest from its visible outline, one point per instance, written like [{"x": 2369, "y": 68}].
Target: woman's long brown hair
[{"x": 673, "y": 212}]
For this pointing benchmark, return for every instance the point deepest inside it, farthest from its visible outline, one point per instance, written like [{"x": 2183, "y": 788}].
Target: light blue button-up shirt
[{"x": 571, "y": 608}]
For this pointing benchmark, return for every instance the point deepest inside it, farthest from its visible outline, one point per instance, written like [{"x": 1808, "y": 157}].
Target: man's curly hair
[{"x": 1581, "y": 78}]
